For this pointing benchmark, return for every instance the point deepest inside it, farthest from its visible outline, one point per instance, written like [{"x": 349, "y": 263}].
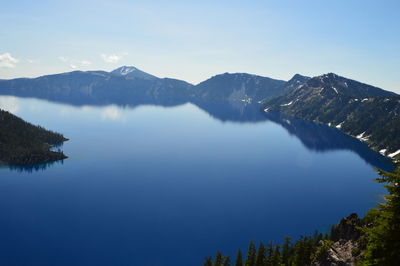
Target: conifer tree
[
  {"x": 226, "y": 261},
  {"x": 251, "y": 255},
  {"x": 276, "y": 257},
  {"x": 208, "y": 262},
  {"x": 270, "y": 252},
  {"x": 261, "y": 258},
  {"x": 299, "y": 258},
  {"x": 218, "y": 259},
  {"x": 239, "y": 258},
  {"x": 285, "y": 251},
  {"x": 383, "y": 237}
]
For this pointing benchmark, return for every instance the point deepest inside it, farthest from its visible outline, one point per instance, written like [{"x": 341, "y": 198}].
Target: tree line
[{"x": 377, "y": 238}]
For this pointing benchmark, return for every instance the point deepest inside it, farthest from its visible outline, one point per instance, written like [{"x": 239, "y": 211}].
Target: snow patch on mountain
[
  {"x": 126, "y": 70},
  {"x": 394, "y": 154}
]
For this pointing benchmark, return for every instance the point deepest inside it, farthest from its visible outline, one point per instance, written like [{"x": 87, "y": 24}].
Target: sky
[{"x": 194, "y": 40}]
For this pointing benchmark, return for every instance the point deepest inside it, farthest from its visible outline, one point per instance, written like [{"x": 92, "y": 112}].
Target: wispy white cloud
[
  {"x": 7, "y": 61},
  {"x": 112, "y": 58},
  {"x": 63, "y": 59},
  {"x": 31, "y": 61},
  {"x": 85, "y": 63},
  {"x": 74, "y": 63}
]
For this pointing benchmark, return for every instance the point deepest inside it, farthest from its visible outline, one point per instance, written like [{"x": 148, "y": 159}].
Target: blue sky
[{"x": 193, "y": 40}]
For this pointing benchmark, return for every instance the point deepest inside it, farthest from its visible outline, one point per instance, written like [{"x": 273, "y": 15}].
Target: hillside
[
  {"x": 22, "y": 143},
  {"x": 360, "y": 110},
  {"x": 238, "y": 87},
  {"x": 122, "y": 86}
]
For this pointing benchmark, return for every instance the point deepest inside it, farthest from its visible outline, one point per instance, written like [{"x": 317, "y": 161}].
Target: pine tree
[
  {"x": 299, "y": 252},
  {"x": 218, "y": 259},
  {"x": 251, "y": 255},
  {"x": 226, "y": 261},
  {"x": 208, "y": 262},
  {"x": 270, "y": 252},
  {"x": 383, "y": 238},
  {"x": 285, "y": 251},
  {"x": 261, "y": 259},
  {"x": 239, "y": 258},
  {"x": 276, "y": 257}
]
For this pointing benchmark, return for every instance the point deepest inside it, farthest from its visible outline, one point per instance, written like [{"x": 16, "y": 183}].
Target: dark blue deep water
[{"x": 154, "y": 185}]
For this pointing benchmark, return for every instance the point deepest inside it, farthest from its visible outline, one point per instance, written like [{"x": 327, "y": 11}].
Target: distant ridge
[
  {"x": 238, "y": 87},
  {"x": 360, "y": 110}
]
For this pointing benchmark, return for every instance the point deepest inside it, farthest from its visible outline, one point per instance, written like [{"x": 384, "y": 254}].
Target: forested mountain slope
[
  {"x": 360, "y": 110},
  {"x": 22, "y": 143}
]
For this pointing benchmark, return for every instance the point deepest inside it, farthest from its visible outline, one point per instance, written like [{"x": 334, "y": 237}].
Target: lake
[{"x": 154, "y": 185}]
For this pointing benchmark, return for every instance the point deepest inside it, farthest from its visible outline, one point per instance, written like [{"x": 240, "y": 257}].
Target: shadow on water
[
  {"x": 315, "y": 137},
  {"x": 322, "y": 138},
  {"x": 32, "y": 168}
]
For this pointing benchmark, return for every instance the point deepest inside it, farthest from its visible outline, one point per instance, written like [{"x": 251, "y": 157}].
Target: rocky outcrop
[
  {"x": 347, "y": 229},
  {"x": 340, "y": 253},
  {"x": 344, "y": 248}
]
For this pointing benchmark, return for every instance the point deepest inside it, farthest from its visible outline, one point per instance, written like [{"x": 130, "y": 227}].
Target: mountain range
[
  {"x": 360, "y": 110},
  {"x": 131, "y": 86},
  {"x": 366, "y": 112}
]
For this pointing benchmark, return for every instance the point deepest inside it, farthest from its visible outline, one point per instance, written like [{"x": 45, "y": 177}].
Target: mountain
[
  {"x": 360, "y": 110},
  {"x": 130, "y": 72},
  {"x": 22, "y": 143},
  {"x": 129, "y": 86},
  {"x": 123, "y": 86},
  {"x": 294, "y": 82},
  {"x": 238, "y": 87}
]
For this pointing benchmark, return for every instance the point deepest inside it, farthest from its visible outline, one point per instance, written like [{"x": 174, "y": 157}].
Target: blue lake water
[{"x": 154, "y": 185}]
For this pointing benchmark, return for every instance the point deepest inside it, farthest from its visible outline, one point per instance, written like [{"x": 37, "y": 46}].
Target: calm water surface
[{"x": 168, "y": 186}]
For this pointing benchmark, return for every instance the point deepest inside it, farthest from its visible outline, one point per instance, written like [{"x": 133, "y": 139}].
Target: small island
[{"x": 24, "y": 144}]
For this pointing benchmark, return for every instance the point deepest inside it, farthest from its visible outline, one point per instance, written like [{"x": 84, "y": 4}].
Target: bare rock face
[
  {"x": 345, "y": 249},
  {"x": 347, "y": 229},
  {"x": 339, "y": 254}
]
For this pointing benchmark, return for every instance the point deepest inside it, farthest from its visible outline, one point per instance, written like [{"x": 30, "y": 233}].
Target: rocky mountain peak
[{"x": 131, "y": 72}]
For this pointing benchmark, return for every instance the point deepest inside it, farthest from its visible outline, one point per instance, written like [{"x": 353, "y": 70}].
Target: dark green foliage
[
  {"x": 286, "y": 251},
  {"x": 251, "y": 255},
  {"x": 304, "y": 250},
  {"x": 358, "y": 108},
  {"x": 239, "y": 258},
  {"x": 383, "y": 235},
  {"x": 270, "y": 253},
  {"x": 261, "y": 258},
  {"x": 300, "y": 253},
  {"x": 220, "y": 260},
  {"x": 276, "y": 257},
  {"x": 226, "y": 261},
  {"x": 22, "y": 143},
  {"x": 322, "y": 250},
  {"x": 377, "y": 236},
  {"x": 208, "y": 262}
]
